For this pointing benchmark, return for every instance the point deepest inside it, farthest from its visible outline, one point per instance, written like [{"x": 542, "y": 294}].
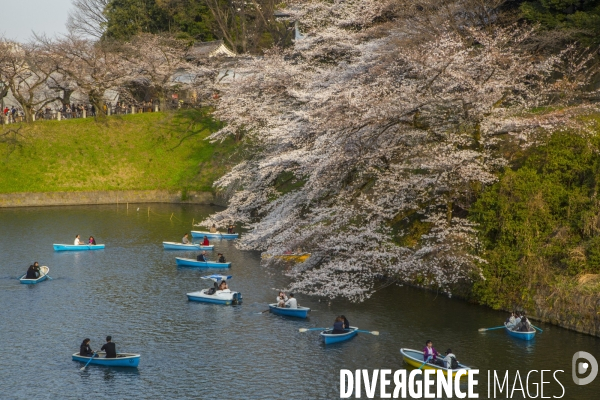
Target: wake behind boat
[
  {"x": 190, "y": 262},
  {"x": 414, "y": 358},
  {"x": 521, "y": 335},
  {"x": 122, "y": 359},
  {"x": 300, "y": 312},
  {"x": 217, "y": 294},
  {"x": 216, "y": 235},
  {"x": 182, "y": 246},
  {"x": 77, "y": 247},
  {"x": 43, "y": 276}
]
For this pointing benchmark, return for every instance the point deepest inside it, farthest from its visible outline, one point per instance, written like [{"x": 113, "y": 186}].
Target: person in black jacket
[
  {"x": 346, "y": 323},
  {"x": 30, "y": 273},
  {"x": 202, "y": 257},
  {"x": 221, "y": 258},
  {"x": 110, "y": 348},
  {"x": 85, "y": 350}
]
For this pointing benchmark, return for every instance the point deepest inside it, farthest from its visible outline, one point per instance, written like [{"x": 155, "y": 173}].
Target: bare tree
[
  {"x": 87, "y": 17},
  {"x": 94, "y": 67},
  {"x": 25, "y": 69}
]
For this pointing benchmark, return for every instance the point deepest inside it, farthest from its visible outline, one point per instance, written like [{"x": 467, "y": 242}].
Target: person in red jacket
[{"x": 205, "y": 242}]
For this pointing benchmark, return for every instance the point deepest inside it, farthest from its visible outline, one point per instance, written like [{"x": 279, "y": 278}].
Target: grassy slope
[{"x": 143, "y": 151}]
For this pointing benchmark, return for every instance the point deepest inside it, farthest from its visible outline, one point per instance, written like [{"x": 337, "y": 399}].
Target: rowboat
[
  {"x": 296, "y": 257},
  {"x": 330, "y": 338},
  {"x": 414, "y": 358},
  {"x": 217, "y": 235},
  {"x": 43, "y": 276},
  {"x": 122, "y": 359},
  {"x": 181, "y": 246},
  {"x": 521, "y": 335},
  {"x": 300, "y": 312},
  {"x": 213, "y": 295},
  {"x": 190, "y": 262},
  {"x": 77, "y": 247}
]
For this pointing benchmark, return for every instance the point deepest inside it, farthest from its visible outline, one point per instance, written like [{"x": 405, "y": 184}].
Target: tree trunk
[{"x": 98, "y": 101}]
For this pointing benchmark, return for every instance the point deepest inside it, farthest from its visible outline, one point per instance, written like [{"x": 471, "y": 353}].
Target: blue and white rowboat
[
  {"x": 43, "y": 276},
  {"x": 330, "y": 338},
  {"x": 181, "y": 246},
  {"x": 122, "y": 359},
  {"x": 215, "y": 296},
  {"x": 521, "y": 335},
  {"x": 217, "y": 235},
  {"x": 190, "y": 262},
  {"x": 300, "y": 312},
  {"x": 77, "y": 247}
]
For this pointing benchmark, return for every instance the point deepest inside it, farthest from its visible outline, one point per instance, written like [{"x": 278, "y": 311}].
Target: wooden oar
[
  {"x": 426, "y": 361},
  {"x": 541, "y": 331},
  {"x": 376, "y": 333},
  {"x": 312, "y": 329},
  {"x": 490, "y": 329},
  {"x": 86, "y": 364}
]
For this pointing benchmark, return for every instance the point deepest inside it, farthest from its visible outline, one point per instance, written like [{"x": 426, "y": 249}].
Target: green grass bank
[{"x": 131, "y": 152}]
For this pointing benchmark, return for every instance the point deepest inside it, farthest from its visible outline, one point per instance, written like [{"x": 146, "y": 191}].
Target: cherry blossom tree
[
  {"x": 25, "y": 70},
  {"x": 361, "y": 129}
]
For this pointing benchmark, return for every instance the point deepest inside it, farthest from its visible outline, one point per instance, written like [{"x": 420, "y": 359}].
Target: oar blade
[
  {"x": 302, "y": 329},
  {"x": 482, "y": 329},
  {"x": 376, "y": 333}
]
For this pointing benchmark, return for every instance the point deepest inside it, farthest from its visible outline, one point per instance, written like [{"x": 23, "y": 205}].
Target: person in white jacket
[
  {"x": 77, "y": 241},
  {"x": 448, "y": 360},
  {"x": 291, "y": 303}
]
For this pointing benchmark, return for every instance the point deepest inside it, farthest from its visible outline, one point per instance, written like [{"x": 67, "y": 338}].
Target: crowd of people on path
[{"x": 518, "y": 322}]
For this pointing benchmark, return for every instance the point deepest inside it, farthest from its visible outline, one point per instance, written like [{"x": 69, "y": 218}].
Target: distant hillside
[{"x": 142, "y": 151}]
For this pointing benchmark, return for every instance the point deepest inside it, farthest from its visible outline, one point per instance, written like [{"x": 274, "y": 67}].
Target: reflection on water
[{"x": 133, "y": 291}]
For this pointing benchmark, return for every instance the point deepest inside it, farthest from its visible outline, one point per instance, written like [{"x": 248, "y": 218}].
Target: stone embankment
[{"x": 107, "y": 197}]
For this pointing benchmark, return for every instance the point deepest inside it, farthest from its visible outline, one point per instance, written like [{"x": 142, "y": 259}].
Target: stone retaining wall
[{"x": 107, "y": 197}]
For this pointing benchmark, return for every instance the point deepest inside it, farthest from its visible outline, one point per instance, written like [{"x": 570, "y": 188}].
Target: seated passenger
[
  {"x": 281, "y": 299},
  {"x": 110, "y": 348},
  {"x": 205, "y": 242},
  {"x": 221, "y": 258},
  {"x": 510, "y": 321},
  {"x": 338, "y": 326},
  {"x": 213, "y": 289},
  {"x": 346, "y": 323},
  {"x": 202, "y": 257},
  {"x": 185, "y": 239},
  {"x": 450, "y": 360},
  {"x": 223, "y": 285},
  {"x": 524, "y": 326},
  {"x": 291, "y": 302},
  {"x": 92, "y": 241},
  {"x": 36, "y": 270},
  {"x": 231, "y": 229},
  {"x": 77, "y": 241},
  {"x": 213, "y": 229},
  {"x": 84, "y": 349}
]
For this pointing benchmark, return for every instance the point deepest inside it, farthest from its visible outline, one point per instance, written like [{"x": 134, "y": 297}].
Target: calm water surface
[{"x": 133, "y": 291}]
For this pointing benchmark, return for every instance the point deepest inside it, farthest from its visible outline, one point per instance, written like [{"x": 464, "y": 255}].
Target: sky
[{"x": 20, "y": 17}]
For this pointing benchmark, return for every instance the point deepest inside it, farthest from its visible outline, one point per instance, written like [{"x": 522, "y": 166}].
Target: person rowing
[
  {"x": 77, "y": 241},
  {"x": 338, "y": 326},
  {"x": 202, "y": 257},
  {"x": 430, "y": 354},
  {"x": 110, "y": 348},
  {"x": 84, "y": 349},
  {"x": 205, "y": 242},
  {"x": 213, "y": 229},
  {"x": 291, "y": 302},
  {"x": 221, "y": 258},
  {"x": 231, "y": 229},
  {"x": 92, "y": 241},
  {"x": 33, "y": 272}
]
